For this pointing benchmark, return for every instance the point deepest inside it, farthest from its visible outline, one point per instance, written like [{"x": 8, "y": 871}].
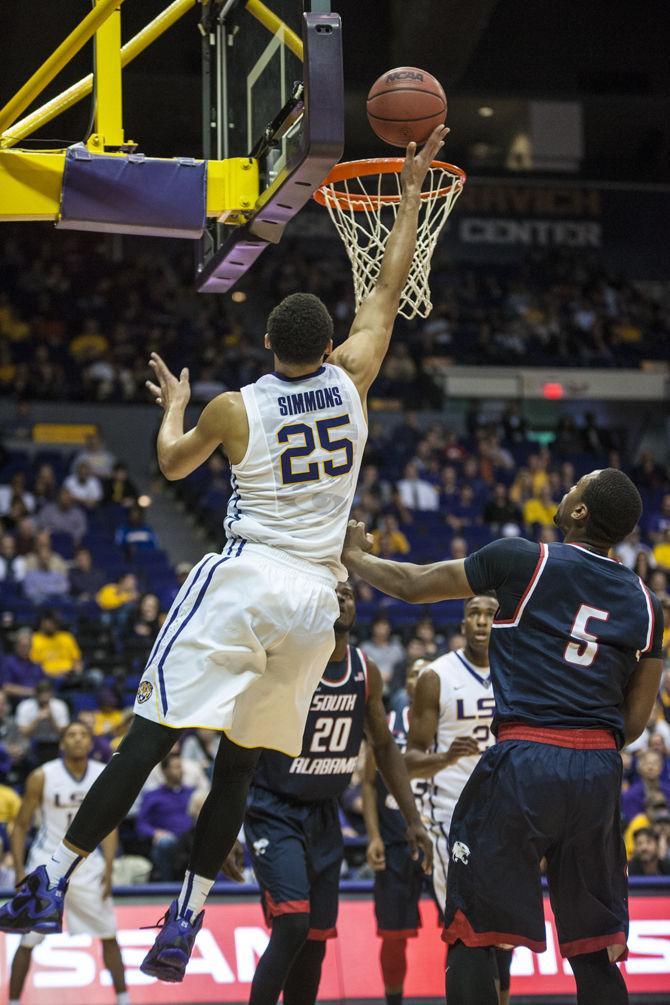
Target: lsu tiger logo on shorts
[{"x": 144, "y": 691}]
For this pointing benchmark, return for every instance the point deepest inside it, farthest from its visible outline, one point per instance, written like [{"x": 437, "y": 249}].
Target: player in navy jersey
[
  {"x": 292, "y": 822},
  {"x": 398, "y": 876},
  {"x": 575, "y": 663}
]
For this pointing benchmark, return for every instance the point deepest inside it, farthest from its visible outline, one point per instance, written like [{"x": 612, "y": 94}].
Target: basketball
[{"x": 406, "y": 104}]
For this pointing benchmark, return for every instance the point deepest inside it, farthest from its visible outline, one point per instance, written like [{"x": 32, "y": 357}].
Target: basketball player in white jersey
[
  {"x": 55, "y": 791},
  {"x": 245, "y": 643},
  {"x": 450, "y": 718}
]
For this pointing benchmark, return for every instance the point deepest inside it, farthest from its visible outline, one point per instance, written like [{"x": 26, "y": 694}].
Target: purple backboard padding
[{"x": 133, "y": 195}]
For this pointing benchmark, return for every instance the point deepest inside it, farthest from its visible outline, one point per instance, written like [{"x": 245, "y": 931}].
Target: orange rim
[{"x": 371, "y": 167}]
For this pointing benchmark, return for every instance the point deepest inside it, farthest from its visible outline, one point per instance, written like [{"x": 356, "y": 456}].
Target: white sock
[
  {"x": 13, "y": 1001},
  {"x": 122, "y": 998},
  {"x": 192, "y": 895},
  {"x": 62, "y": 864}
]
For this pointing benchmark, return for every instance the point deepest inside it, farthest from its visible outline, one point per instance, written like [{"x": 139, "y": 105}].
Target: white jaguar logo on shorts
[
  {"x": 261, "y": 846},
  {"x": 460, "y": 852}
]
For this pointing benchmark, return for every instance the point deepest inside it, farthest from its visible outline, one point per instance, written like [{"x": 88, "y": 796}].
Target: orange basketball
[{"x": 406, "y": 104}]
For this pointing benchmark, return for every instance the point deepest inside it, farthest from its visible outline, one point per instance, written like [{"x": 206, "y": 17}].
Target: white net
[{"x": 364, "y": 209}]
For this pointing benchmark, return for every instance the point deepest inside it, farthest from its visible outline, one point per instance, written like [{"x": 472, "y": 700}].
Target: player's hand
[
  {"x": 234, "y": 864},
  {"x": 170, "y": 392},
  {"x": 376, "y": 854},
  {"x": 107, "y": 884},
  {"x": 420, "y": 844},
  {"x": 416, "y": 164},
  {"x": 356, "y": 541},
  {"x": 463, "y": 746}
]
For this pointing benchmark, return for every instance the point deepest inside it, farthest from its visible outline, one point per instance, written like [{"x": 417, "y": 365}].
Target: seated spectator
[
  {"x": 83, "y": 486},
  {"x": 501, "y": 510},
  {"x": 649, "y": 768},
  {"x": 658, "y": 582},
  {"x": 395, "y": 541},
  {"x": 659, "y": 521},
  {"x": 181, "y": 572},
  {"x": 119, "y": 489},
  {"x": 134, "y": 534},
  {"x": 416, "y": 493},
  {"x": 458, "y": 548},
  {"x": 630, "y": 548},
  {"x": 415, "y": 650},
  {"x": 141, "y": 630},
  {"x": 465, "y": 511},
  {"x": 15, "y": 492},
  {"x": 96, "y": 455},
  {"x": 55, "y": 649},
  {"x": 383, "y": 648},
  {"x": 41, "y": 719},
  {"x": 164, "y": 817},
  {"x": 646, "y": 860},
  {"x": 63, "y": 517},
  {"x": 45, "y": 486},
  {"x": 655, "y": 806},
  {"x": 102, "y": 748},
  {"x": 19, "y": 675},
  {"x": 84, "y": 580},
  {"x": 540, "y": 509},
  {"x": 112, "y": 596},
  {"x": 46, "y": 572},
  {"x": 12, "y": 566},
  {"x": 201, "y": 746},
  {"x": 662, "y": 552},
  {"x": 643, "y": 565},
  {"x": 11, "y": 737},
  {"x": 108, "y": 716}
]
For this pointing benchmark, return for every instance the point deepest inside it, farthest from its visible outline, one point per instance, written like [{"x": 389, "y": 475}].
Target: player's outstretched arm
[
  {"x": 641, "y": 695},
  {"x": 417, "y": 584},
  {"x": 364, "y": 350},
  {"x": 423, "y": 723},
  {"x": 180, "y": 453},
  {"x": 376, "y": 853},
  {"x": 392, "y": 768},
  {"x": 32, "y": 797}
]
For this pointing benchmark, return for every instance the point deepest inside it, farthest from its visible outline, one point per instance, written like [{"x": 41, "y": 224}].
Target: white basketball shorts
[
  {"x": 243, "y": 648},
  {"x": 440, "y": 839},
  {"x": 87, "y": 912}
]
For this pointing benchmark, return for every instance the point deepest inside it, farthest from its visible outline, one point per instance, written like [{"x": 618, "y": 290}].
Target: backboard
[{"x": 272, "y": 90}]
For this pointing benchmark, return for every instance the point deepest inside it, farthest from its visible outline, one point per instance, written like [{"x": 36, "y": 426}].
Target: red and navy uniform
[
  {"x": 567, "y": 636},
  {"x": 292, "y": 821},
  {"x": 397, "y": 887}
]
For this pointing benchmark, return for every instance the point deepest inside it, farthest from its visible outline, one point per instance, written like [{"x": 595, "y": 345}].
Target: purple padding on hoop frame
[{"x": 133, "y": 195}]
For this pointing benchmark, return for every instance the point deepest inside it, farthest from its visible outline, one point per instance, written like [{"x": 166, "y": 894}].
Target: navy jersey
[
  {"x": 570, "y": 628},
  {"x": 331, "y": 741},
  {"x": 392, "y": 826}
]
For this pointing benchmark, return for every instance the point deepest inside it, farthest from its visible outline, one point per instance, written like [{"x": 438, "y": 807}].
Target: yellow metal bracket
[{"x": 108, "y": 86}]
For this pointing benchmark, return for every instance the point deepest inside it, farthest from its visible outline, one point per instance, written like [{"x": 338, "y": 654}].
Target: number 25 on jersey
[{"x": 292, "y": 460}]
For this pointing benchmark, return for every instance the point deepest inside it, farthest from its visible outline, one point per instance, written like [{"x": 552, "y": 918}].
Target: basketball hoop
[{"x": 362, "y": 198}]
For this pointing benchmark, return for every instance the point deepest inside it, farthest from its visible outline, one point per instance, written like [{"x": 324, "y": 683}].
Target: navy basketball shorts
[
  {"x": 397, "y": 892},
  {"x": 296, "y": 851},
  {"x": 528, "y": 800}
]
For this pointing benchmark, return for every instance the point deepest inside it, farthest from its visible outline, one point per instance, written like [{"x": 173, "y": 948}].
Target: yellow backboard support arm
[
  {"x": 108, "y": 86},
  {"x": 56, "y": 61}
]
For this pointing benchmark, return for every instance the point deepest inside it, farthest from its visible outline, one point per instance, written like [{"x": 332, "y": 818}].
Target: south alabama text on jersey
[{"x": 331, "y": 741}]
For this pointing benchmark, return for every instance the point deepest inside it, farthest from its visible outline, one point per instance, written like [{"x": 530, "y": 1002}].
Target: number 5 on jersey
[
  {"x": 582, "y": 654},
  {"x": 333, "y": 467}
]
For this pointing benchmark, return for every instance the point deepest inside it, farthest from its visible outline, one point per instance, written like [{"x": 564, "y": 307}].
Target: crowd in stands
[
  {"x": 85, "y": 587},
  {"x": 60, "y": 338}
]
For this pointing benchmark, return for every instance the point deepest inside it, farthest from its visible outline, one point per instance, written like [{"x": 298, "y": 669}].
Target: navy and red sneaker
[
  {"x": 35, "y": 907},
  {"x": 168, "y": 957}
]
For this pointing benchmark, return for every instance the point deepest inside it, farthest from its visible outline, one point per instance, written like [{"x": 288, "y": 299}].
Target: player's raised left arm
[
  {"x": 392, "y": 767},
  {"x": 180, "y": 453},
  {"x": 418, "y": 584}
]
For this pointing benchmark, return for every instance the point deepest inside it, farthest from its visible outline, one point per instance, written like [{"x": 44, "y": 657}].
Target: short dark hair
[
  {"x": 614, "y": 506},
  {"x": 300, "y": 328},
  {"x": 75, "y": 722},
  {"x": 647, "y": 831}
]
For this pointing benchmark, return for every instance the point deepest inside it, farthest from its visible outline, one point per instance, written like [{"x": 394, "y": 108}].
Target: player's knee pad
[{"x": 291, "y": 930}]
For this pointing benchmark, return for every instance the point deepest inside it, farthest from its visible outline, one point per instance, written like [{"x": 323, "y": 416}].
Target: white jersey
[
  {"x": 294, "y": 487},
  {"x": 466, "y": 709},
  {"x": 62, "y": 796}
]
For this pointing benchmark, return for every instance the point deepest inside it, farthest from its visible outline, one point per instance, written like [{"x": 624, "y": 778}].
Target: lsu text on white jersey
[
  {"x": 62, "y": 796},
  {"x": 294, "y": 486},
  {"x": 466, "y": 709}
]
